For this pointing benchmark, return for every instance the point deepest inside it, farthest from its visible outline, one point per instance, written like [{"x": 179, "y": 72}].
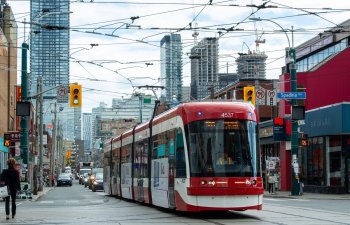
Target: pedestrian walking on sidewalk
[
  {"x": 11, "y": 179},
  {"x": 271, "y": 182}
]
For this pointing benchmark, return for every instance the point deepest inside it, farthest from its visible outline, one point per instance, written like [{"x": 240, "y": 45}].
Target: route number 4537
[{"x": 227, "y": 115}]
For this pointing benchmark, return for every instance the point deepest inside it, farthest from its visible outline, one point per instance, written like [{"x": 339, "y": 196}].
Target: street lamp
[{"x": 293, "y": 84}]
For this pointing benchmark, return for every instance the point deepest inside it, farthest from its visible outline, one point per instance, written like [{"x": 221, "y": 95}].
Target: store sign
[
  {"x": 266, "y": 132},
  {"x": 279, "y": 133}
]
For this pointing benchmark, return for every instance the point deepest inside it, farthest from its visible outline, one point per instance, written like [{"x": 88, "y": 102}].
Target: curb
[
  {"x": 40, "y": 194},
  {"x": 305, "y": 196}
]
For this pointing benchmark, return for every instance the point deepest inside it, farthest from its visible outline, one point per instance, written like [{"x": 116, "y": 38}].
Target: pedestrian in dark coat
[{"x": 11, "y": 178}]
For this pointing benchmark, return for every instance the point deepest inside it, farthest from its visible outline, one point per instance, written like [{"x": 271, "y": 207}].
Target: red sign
[{"x": 18, "y": 93}]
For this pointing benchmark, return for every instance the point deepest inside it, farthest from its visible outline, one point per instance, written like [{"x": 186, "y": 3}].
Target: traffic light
[
  {"x": 7, "y": 139},
  {"x": 75, "y": 95},
  {"x": 68, "y": 154},
  {"x": 249, "y": 94},
  {"x": 304, "y": 140}
]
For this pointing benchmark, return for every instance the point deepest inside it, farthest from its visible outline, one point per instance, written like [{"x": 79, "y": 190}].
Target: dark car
[
  {"x": 97, "y": 183},
  {"x": 92, "y": 176},
  {"x": 64, "y": 179},
  {"x": 82, "y": 172}
]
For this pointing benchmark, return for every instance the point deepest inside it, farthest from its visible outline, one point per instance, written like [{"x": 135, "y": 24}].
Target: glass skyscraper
[
  {"x": 49, "y": 58},
  {"x": 204, "y": 68},
  {"x": 171, "y": 67}
]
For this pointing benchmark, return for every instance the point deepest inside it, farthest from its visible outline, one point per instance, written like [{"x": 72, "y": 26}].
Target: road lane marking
[
  {"x": 96, "y": 201},
  {"x": 72, "y": 201},
  {"x": 273, "y": 199},
  {"x": 46, "y": 202}
]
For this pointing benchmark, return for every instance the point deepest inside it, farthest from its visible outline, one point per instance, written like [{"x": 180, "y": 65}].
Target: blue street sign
[{"x": 291, "y": 95}]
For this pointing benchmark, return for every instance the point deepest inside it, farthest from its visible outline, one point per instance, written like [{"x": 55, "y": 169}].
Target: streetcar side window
[{"x": 180, "y": 155}]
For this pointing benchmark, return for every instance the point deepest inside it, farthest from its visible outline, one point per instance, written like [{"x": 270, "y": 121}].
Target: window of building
[
  {"x": 315, "y": 162},
  {"x": 313, "y": 60}
]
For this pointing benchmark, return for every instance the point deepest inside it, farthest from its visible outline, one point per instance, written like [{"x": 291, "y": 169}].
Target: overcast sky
[{"x": 138, "y": 26}]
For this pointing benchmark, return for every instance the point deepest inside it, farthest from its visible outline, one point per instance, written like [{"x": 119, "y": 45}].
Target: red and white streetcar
[{"x": 197, "y": 156}]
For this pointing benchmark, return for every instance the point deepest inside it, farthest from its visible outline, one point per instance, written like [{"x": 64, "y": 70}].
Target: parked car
[
  {"x": 97, "y": 183},
  {"x": 64, "y": 179}
]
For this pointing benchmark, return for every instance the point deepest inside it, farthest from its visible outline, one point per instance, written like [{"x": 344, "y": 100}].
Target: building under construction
[{"x": 251, "y": 65}]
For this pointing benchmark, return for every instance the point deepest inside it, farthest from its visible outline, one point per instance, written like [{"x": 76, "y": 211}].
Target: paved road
[{"x": 78, "y": 205}]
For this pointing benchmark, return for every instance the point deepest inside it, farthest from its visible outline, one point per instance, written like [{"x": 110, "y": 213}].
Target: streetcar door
[
  {"x": 142, "y": 154},
  {"x": 171, "y": 190}
]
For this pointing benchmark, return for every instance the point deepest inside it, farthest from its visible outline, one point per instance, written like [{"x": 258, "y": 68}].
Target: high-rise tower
[
  {"x": 204, "y": 68},
  {"x": 171, "y": 66},
  {"x": 49, "y": 57}
]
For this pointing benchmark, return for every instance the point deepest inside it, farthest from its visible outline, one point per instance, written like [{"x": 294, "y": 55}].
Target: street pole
[
  {"x": 41, "y": 175},
  {"x": 53, "y": 149},
  {"x": 293, "y": 86},
  {"x": 24, "y": 123},
  {"x": 294, "y": 137}
]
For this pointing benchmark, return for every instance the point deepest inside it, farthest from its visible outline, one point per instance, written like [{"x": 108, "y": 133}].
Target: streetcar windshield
[{"x": 223, "y": 148}]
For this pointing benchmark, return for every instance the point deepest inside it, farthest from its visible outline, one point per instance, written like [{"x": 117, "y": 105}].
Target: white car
[{"x": 70, "y": 174}]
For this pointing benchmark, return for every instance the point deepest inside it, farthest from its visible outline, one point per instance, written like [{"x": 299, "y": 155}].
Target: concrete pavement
[
  {"x": 286, "y": 194},
  {"x": 277, "y": 194}
]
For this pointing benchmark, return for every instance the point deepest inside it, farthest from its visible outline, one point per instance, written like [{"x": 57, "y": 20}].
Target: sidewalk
[
  {"x": 41, "y": 193},
  {"x": 287, "y": 194}
]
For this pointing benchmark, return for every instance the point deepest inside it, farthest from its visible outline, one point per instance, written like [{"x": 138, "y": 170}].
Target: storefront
[
  {"x": 270, "y": 153},
  {"x": 322, "y": 73},
  {"x": 325, "y": 162}
]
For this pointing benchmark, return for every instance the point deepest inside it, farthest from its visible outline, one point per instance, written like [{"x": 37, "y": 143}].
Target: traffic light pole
[
  {"x": 293, "y": 87},
  {"x": 294, "y": 138}
]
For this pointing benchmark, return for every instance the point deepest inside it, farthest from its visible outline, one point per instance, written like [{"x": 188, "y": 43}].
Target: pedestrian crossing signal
[
  {"x": 75, "y": 95},
  {"x": 7, "y": 143}
]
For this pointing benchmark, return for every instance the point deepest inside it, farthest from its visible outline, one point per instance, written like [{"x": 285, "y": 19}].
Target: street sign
[
  {"x": 260, "y": 96},
  {"x": 147, "y": 100},
  {"x": 62, "y": 94},
  {"x": 291, "y": 95},
  {"x": 271, "y": 97}
]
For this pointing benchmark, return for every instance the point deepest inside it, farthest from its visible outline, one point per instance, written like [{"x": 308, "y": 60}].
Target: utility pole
[
  {"x": 37, "y": 124},
  {"x": 41, "y": 180},
  {"x": 53, "y": 148},
  {"x": 24, "y": 124},
  {"x": 293, "y": 87},
  {"x": 294, "y": 137}
]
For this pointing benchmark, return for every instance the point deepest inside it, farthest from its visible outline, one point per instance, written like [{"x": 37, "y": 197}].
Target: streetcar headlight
[
  {"x": 203, "y": 182},
  {"x": 211, "y": 182},
  {"x": 254, "y": 182}
]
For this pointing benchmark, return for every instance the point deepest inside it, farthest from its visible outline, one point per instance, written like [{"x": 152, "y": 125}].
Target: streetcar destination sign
[{"x": 291, "y": 95}]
